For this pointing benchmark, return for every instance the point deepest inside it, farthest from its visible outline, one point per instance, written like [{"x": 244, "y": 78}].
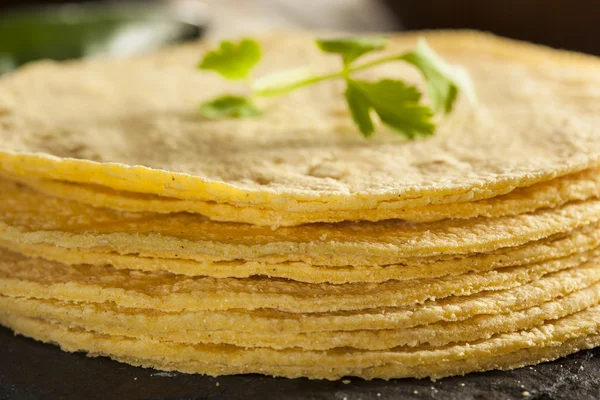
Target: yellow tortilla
[
  {"x": 503, "y": 351},
  {"x": 108, "y": 319},
  {"x": 24, "y": 277},
  {"x": 31, "y": 218},
  {"x": 133, "y": 125},
  {"x": 554, "y": 193},
  {"x": 558, "y": 246}
]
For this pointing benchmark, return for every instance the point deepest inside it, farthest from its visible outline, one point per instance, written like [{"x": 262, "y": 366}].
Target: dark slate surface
[{"x": 31, "y": 370}]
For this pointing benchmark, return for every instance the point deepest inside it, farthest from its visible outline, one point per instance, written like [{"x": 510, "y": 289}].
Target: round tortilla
[
  {"x": 558, "y": 246},
  {"x": 106, "y": 318},
  {"x": 504, "y": 351},
  {"x": 554, "y": 193},
  {"x": 133, "y": 125},
  {"x": 29, "y": 217},
  {"x": 25, "y": 277}
]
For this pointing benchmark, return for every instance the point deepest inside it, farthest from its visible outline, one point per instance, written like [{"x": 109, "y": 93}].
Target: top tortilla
[{"x": 133, "y": 125}]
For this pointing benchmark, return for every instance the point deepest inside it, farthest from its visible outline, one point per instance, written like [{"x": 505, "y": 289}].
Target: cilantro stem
[
  {"x": 344, "y": 73},
  {"x": 377, "y": 62},
  {"x": 268, "y": 91}
]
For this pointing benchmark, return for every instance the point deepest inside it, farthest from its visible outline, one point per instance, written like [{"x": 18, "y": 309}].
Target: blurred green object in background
[{"x": 74, "y": 31}]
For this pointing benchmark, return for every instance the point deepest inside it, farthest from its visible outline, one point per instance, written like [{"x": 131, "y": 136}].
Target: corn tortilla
[
  {"x": 152, "y": 140},
  {"x": 24, "y": 277},
  {"x": 580, "y": 186},
  {"x": 555, "y": 247},
  {"x": 506, "y": 350},
  {"x": 115, "y": 321},
  {"x": 31, "y": 218}
]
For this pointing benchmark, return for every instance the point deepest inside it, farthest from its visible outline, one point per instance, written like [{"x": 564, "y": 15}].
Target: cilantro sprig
[{"x": 397, "y": 104}]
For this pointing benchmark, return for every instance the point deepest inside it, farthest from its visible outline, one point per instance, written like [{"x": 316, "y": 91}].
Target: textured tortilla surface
[
  {"x": 508, "y": 350},
  {"x": 557, "y": 246},
  {"x": 580, "y": 186},
  {"x": 25, "y": 277},
  {"x": 536, "y": 120},
  {"x": 118, "y": 321},
  {"x": 29, "y": 217}
]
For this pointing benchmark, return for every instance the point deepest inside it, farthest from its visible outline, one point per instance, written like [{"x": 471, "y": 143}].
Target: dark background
[{"x": 571, "y": 24}]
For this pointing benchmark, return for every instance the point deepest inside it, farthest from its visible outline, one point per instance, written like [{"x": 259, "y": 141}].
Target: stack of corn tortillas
[{"x": 287, "y": 244}]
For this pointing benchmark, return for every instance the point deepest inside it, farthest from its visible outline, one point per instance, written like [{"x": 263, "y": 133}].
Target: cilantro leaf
[
  {"x": 396, "y": 104},
  {"x": 233, "y": 60},
  {"x": 443, "y": 81},
  {"x": 229, "y": 106},
  {"x": 360, "y": 109},
  {"x": 351, "y": 48}
]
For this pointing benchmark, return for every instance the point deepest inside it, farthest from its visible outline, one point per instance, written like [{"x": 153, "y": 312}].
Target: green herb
[
  {"x": 397, "y": 104},
  {"x": 351, "y": 48},
  {"x": 229, "y": 106},
  {"x": 443, "y": 81},
  {"x": 233, "y": 60}
]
